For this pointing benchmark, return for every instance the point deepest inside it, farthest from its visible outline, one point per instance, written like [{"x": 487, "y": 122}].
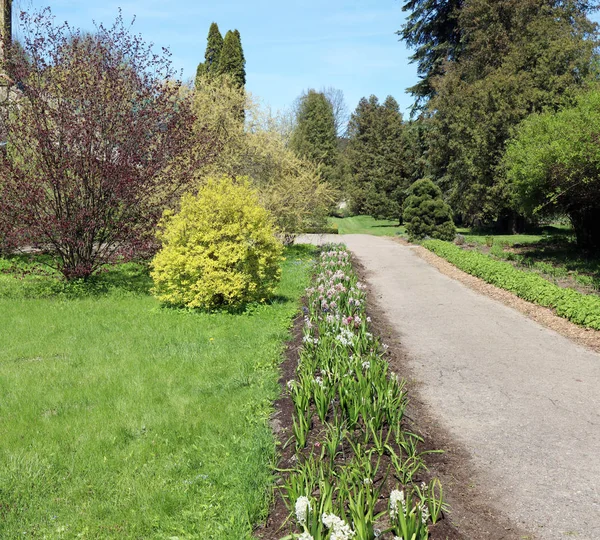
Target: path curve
[{"x": 523, "y": 400}]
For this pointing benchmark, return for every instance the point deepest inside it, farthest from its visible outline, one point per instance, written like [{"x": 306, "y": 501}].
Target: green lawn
[
  {"x": 366, "y": 225},
  {"x": 543, "y": 234},
  {"x": 121, "y": 419}
]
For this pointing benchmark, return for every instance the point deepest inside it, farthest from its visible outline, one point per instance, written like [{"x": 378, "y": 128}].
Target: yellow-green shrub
[{"x": 219, "y": 250}]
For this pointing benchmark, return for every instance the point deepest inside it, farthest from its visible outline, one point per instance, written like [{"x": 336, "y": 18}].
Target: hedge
[{"x": 579, "y": 308}]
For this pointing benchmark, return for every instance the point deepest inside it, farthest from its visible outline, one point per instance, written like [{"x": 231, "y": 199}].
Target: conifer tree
[
  {"x": 232, "y": 59},
  {"x": 213, "y": 52},
  {"x": 432, "y": 29},
  {"x": 377, "y": 157},
  {"x": 314, "y": 136},
  {"x": 518, "y": 57}
]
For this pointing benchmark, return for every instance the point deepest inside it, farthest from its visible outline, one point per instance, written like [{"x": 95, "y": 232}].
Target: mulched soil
[{"x": 472, "y": 515}]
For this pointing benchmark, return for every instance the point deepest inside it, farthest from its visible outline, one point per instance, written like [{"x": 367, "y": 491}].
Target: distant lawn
[
  {"x": 121, "y": 419},
  {"x": 545, "y": 233},
  {"x": 366, "y": 225}
]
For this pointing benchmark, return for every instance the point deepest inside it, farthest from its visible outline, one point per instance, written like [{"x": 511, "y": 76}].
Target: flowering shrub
[
  {"x": 343, "y": 383},
  {"x": 219, "y": 250}
]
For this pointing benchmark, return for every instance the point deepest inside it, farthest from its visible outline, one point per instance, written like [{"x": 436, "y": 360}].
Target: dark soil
[{"x": 472, "y": 515}]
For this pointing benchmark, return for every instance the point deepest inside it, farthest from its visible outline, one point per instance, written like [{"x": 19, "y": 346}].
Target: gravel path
[{"x": 522, "y": 399}]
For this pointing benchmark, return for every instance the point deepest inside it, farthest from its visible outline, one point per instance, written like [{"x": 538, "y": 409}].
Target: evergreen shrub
[{"x": 425, "y": 213}]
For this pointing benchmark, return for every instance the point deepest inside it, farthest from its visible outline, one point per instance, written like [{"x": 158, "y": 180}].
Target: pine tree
[
  {"x": 426, "y": 214},
  {"x": 213, "y": 52},
  {"x": 232, "y": 59}
]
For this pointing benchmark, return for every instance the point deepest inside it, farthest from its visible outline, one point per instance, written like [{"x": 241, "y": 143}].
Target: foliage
[
  {"x": 314, "y": 136},
  {"x": 220, "y": 250},
  {"x": 516, "y": 58},
  {"x": 426, "y": 214},
  {"x": 232, "y": 61},
  {"x": 289, "y": 187},
  {"x": 140, "y": 407},
  {"x": 348, "y": 424},
  {"x": 432, "y": 29},
  {"x": 376, "y": 155},
  {"x": 579, "y": 308},
  {"x": 554, "y": 165},
  {"x": 222, "y": 57},
  {"x": 213, "y": 53},
  {"x": 94, "y": 146}
]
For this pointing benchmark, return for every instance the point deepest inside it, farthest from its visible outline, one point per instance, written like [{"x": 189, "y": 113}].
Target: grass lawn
[
  {"x": 121, "y": 419},
  {"x": 544, "y": 233},
  {"x": 366, "y": 225}
]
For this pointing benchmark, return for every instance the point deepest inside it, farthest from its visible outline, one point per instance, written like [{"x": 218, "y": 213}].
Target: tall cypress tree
[
  {"x": 212, "y": 55},
  {"x": 232, "y": 61}
]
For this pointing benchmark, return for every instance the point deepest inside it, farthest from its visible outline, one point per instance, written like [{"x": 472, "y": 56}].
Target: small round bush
[
  {"x": 426, "y": 214},
  {"x": 220, "y": 250}
]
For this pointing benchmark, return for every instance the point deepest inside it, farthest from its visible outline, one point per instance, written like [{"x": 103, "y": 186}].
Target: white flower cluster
[
  {"x": 345, "y": 337},
  {"x": 396, "y": 497},
  {"x": 302, "y": 509},
  {"x": 305, "y": 536},
  {"x": 340, "y": 530}
]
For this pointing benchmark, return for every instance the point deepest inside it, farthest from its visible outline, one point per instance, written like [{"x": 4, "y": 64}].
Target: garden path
[{"x": 521, "y": 399}]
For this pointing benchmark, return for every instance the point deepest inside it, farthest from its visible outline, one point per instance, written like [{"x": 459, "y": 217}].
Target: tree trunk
[{"x": 587, "y": 228}]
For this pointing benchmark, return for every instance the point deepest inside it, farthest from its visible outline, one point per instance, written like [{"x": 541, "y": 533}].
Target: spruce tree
[
  {"x": 314, "y": 136},
  {"x": 232, "y": 61},
  {"x": 377, "y": 153}
]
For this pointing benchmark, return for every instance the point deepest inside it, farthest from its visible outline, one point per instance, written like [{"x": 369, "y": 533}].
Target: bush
[
  {"x": 220, "y": 250},
  {"x": 579, "y": 308},
  {"x": 553, "y": 165},
  {"x": 426, "y": 214}
]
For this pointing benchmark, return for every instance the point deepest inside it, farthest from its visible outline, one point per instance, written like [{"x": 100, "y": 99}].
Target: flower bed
[{"x": 359, "y": 473}]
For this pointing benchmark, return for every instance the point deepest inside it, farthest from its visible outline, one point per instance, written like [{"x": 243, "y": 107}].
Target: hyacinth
[
  {"x": 305, "y": 536},
  {"x": 396, "y": 497},
  {"x": 424, "y": 513},
  {"x": 340, "y": 530},
  {"x": 302, "y": 509}
]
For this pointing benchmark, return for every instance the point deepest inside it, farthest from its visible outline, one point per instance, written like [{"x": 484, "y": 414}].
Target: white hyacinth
[
  {"x": 424, "y": 513},
  {"x": 340, "y": 530},
  {"x": 302, "y": 509},
  {"x": 305, "y": 536},
  {"x": 396, "y": 497}
]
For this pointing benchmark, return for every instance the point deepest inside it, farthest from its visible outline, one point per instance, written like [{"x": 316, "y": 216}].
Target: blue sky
[{"x": 289, "y": 46}]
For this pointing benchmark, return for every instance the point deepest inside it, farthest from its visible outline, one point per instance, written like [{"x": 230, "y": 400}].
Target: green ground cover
[
  {"x": 366, "y": 225},
  {"x": 122, "y": 419}
]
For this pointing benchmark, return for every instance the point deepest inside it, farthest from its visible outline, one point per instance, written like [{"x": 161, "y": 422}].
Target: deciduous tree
[
  {"x": 553, "y": 164},
  {"x": 95, "y": 143}
]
